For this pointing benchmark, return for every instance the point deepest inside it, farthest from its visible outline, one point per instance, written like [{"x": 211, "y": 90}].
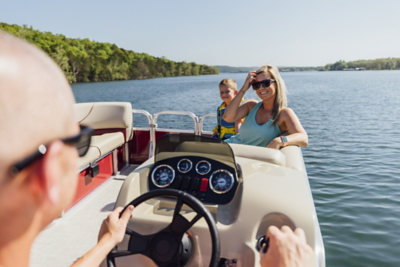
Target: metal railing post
[
  {"x": 202, "y": 121},
  {"x": 185, "y": 113},
  {"x": 151, "y": 128}
]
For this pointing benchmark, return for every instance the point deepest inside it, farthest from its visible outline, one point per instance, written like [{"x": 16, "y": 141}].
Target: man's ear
[{"x": 51, "y": 171}]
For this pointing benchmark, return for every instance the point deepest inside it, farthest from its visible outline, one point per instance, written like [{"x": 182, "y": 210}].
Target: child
[{"x": 224, "y": 130}]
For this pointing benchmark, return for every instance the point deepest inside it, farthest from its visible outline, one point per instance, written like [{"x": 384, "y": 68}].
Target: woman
[{"x": 268, "y": 123}]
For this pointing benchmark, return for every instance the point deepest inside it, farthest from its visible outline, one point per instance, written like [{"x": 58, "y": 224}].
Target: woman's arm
[
  {"x": 237, "y": 126},
  {"x": 234, "y": 112},
  {"x": 291, "y": 128}
]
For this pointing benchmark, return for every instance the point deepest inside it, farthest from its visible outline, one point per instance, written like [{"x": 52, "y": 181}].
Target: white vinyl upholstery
[
  {"x": 294, "y": 157},
  {"x": 102, "y": 116},
  {"x": 259, "y": 153},
  {"x": 106, "y": 115},
  {"x": 92, "y": 154},
  {"x": 107, "y": 142}
]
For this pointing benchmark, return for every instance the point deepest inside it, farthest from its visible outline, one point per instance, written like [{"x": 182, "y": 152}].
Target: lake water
[{"x": 353, "y": 157}]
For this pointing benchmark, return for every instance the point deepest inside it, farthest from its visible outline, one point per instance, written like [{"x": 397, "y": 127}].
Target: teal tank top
[{"x": 251, "y": 133}]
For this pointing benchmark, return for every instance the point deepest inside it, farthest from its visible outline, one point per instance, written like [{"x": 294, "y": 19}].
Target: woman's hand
[
  {"x": 251, "y": 77},
  {"x": 276, "y": 143},
  {"x": 113, "y": 227}
]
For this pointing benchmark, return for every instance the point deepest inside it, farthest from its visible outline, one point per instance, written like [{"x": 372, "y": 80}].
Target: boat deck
[{"x": 69, "y": 237}]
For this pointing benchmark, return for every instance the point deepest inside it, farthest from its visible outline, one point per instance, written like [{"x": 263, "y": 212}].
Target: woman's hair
[
  {"x": 281, "y": 92},
  {"x": 230, "y": 82}
]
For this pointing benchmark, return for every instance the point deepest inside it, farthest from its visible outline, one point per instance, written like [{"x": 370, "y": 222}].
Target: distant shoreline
[
  {"x": 284, "y": 71},
  {"x": 358, "y": 65}
]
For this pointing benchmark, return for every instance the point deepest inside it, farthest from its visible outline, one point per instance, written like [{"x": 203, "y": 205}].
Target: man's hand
[
  {"x": 286, "y": 248},
  {"x": 111, "y": 233},
  {"x": 113, "y": 227}
]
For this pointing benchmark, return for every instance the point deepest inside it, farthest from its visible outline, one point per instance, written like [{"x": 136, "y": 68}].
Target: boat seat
[
  {"x": 294, "y": 157},
  {"x": 259, "y": 153},
  {"x": 112, "y": 122},
  {"x": 100, "y": 146},
  {"x": 92, "y": 154},
  {"x": 106, "y": 117},
  {"x": 106, "y": 143}
]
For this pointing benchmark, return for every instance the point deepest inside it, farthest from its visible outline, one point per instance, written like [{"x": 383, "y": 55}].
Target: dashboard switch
[
  {"x": 204, "y": 184},
  {"x": 185, "y": 183},
  {"x": 195, "y": 183},
  {"x": 177, "y": 182}
]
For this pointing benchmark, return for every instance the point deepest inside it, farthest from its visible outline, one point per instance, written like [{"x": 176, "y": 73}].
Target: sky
[{"x": 219, "y": 32}]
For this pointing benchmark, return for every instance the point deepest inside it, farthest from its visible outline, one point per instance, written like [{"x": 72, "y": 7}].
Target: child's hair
[{"x": 230, "y": 82}]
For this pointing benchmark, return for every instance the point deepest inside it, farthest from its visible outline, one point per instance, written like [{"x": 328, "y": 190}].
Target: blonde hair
[
  {"x": 281, "y": 92},
  {"x": 230, "y": 82}
]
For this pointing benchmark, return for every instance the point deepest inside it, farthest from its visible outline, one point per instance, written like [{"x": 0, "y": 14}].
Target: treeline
[
  {"x": 83, "y": 60},
  {"x": 299, "y": 68},
  {"x": 374, "y": 64},
  {"x": 228, "y": 69}
]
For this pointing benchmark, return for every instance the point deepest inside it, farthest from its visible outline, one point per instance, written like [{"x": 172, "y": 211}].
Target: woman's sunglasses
[
  {"x": 80, "y": 141},
  {"x": 264, "y": 83}
]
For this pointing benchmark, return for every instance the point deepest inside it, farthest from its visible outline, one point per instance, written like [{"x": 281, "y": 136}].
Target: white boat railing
[
  {"x": 154, "y": 125},
  {"x": 202, "y": 121},
  {"x": 150, "y": 120}
]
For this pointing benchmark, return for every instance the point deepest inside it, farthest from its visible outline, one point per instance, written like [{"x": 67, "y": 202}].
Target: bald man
[{"x": 38, "y": 154}]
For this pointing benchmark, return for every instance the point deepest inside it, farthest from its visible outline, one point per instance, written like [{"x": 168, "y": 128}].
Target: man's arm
[{"x": 111, "y": 233}]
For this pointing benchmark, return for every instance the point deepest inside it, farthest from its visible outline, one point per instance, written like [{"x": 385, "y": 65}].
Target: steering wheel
[{"x": 164, "y": 247}]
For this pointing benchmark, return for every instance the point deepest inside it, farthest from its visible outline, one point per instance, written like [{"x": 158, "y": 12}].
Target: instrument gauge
[
  {"x": 203, "y": 167},
  {"x": 221, "y": 181},
  {"x": 184, "y": 165},
  {"x": 163, "y": 176}
]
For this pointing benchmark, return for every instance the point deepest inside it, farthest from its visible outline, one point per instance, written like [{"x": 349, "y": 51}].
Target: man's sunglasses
[
  {"x": 264, "y": 83},
  {"x": 80, "y": 141}
]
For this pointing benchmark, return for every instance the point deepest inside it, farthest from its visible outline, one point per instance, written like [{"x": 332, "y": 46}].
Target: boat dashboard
[
  {"x": 244, "y": 193},
  {"x": 209, "y": 180}
]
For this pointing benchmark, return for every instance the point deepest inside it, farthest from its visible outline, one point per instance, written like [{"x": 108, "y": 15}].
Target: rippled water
[{"x": 353, "y": 157}]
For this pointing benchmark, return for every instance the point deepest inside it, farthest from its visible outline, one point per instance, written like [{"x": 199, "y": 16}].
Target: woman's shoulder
[
  {"x": 250, "y": 102},
  {"x": 285, "y": 114}
]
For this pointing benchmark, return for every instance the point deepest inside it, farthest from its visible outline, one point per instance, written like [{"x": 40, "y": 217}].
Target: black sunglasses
[
  {"x": 265, "y": 83},
  {"x": 80, "y": 141}
]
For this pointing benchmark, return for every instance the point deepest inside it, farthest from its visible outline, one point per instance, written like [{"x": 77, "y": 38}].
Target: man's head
[{"x": 36, "y": 107}]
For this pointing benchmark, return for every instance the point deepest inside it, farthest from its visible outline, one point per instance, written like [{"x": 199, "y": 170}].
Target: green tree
[
  {"x": 60, "y": 57},
  {"x": 84, "y": 60}
]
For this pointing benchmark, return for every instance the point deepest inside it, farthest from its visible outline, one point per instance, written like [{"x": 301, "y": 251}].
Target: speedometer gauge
[
  {"x": 203, "y": 167},
  {"x": 184, "y": 165},
  {"x": 221, "y": 181},
  {"x": 163, "y": 176}
]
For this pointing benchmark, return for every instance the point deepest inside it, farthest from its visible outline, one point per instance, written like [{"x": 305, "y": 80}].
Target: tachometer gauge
[
  {"x": 203, "y": 167},
  {"x": 163, "y": 176},
  {"x": 184, "y": 165},
  {"x": 221, "y": 181}
]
